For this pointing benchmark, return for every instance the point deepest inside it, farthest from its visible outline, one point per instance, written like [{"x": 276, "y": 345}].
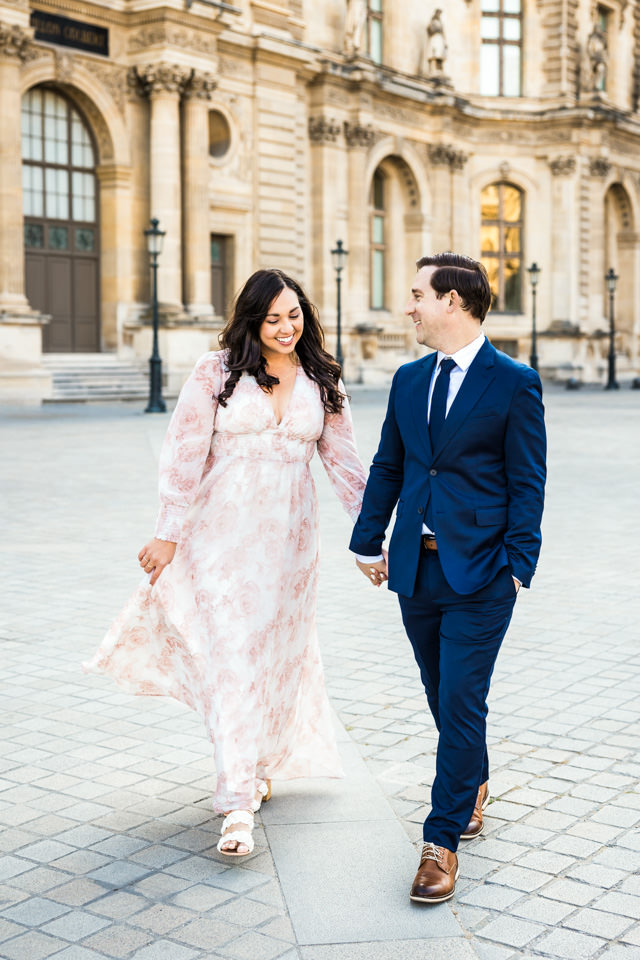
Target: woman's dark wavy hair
[
  {"x": 468, "y": 277},
  {"x": 241, "y": 337}
]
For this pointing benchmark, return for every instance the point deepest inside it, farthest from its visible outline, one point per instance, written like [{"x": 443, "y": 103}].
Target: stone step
[{"x": 98, "y": 376}]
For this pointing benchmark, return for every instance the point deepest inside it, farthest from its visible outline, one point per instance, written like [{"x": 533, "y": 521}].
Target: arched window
[
  {"x": 378, "y": 246},
  {"x": 502, "y": 206},
  {"x": 501, "y": 50},
  {"x": 60, "y": 220}
]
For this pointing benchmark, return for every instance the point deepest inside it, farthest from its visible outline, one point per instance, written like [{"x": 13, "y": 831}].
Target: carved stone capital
[
  {"x": 562, "y": 166},
  {"x": 154, "y": 79},
  {"x": 445, "y": 154},
  {"x": 16, "y": 42},
  {"x": 599, "y": 167},
  {"x": 358, "y": 136},
  {"x": 323, "y": 129},
  {"x": 200, "y": 86}
]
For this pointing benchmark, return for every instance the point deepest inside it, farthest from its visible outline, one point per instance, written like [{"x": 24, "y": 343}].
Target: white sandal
[
  {"x": 263, "y": 787},
  {"x": 239, "y": 836}
]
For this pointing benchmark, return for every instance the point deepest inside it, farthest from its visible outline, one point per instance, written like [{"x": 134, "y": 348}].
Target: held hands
[
  {"x": 155, "y": 556},
  {"x": 376, "y": 573}
]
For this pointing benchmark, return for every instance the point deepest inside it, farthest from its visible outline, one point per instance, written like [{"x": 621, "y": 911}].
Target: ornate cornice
[
  {"x": 562, "y": 166},
  {"x": 445, "y": 154},
  {"x": 323, "y": 129},
  {"x": 599, "y": 167},
  {"x": 16, "y": 42}
]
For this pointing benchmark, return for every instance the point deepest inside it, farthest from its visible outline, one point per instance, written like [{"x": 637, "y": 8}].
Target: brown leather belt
[{"x": 429, "y": 542}]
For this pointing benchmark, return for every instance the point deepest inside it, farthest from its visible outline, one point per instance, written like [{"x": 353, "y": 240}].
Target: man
[{"x": 462, "y": 454}]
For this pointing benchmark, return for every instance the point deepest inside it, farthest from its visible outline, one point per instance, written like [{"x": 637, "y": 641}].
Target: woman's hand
[{"x": 155, "y": 556}]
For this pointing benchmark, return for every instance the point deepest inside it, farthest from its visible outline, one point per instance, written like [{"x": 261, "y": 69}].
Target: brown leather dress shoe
[
  {"x": 436, "y": 878},
  {"x": 476, "y": 824}
]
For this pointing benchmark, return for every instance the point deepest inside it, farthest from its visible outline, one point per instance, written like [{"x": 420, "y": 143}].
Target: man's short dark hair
[{"x": 466, "y": 276}]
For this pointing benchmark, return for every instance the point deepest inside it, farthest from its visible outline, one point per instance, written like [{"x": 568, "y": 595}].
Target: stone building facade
[{"x": 259, "y": 132}]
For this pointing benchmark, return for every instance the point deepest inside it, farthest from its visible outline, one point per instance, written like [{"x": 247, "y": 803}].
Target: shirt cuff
[{"x": 369, "y": 559}]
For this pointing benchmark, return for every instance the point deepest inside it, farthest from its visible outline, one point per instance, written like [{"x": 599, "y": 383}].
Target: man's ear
[{"x": 454, "y": 299}]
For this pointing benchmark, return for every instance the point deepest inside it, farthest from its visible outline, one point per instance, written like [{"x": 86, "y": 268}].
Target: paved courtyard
[{"x": 108, "y": 841}]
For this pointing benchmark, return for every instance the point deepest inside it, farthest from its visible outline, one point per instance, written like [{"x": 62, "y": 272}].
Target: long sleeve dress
[{"x": 229, "y": 627}]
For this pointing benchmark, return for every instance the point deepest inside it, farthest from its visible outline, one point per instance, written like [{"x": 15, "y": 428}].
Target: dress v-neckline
[{"x": 279, "y": 422}]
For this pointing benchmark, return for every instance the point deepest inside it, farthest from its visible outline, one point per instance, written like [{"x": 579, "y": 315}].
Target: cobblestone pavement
[{"x": 108, "y": 841}]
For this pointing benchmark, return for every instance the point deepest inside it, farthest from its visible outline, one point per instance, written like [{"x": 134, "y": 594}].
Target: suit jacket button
[
  {"x": 434, "y": 473},
  {"x": 419, "y": 509}
]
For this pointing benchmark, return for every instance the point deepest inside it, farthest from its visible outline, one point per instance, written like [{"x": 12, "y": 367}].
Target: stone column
[
  {"x": 164, "y": 84},
  {"x": 359, "y": 138},
  {"x": 439, "y": 157},
  {"x": 14, "y": 50},
  {"x": 564, "y": 241},
  {"x": 22, "y": 378},
  {"x": 197, "y": 262}
]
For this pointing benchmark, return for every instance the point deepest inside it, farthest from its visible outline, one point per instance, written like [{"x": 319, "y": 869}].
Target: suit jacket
[{"x": 486, "y": 478}]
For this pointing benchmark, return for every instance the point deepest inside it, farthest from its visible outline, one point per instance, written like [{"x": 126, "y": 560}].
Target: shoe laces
[{"x": 431, "y": 852}]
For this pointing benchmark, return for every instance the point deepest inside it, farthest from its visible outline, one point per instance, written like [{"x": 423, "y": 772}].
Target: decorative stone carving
[
  {"x": 322, "y": 129},
  {"x": 15, "y": 42},
  {"x": 562, "y": 166},
  {"x": 354, "y": 26},
  {"x": 505, "y": 169},
  {"x": 200, "y": 85},
  {"x": 436, "y": 45},
  {"x": 114, "y": 78},
  {"x": 64, "y": 66},
  {"x": 358, "y": 136},
  {"x": 167, "y": 34},
  {"x": 599, "y": 167},
  {"x": 445, "y": 154},
  {"x": 156, "y": 78}
]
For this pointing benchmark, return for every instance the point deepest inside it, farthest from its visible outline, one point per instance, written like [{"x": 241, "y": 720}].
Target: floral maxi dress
[{"x": 229, "y": 627}]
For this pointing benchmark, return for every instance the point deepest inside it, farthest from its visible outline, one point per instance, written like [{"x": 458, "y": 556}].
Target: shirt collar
[{"x": 465, "y": 356}]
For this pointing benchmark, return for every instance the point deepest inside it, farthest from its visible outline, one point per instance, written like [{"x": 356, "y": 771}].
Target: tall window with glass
[
  {"x": 60, "y": 219},
  {"x": 374, "y": 30},
  {"x": 378, "y": 248},
  {"x": 502, "y": 206},
  {"x": 501, "y": 48}
]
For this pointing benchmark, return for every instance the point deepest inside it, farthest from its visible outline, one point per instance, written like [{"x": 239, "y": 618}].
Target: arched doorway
[
  {"x": 622, "y": 246},
  {"x": 61, "y": 229}
]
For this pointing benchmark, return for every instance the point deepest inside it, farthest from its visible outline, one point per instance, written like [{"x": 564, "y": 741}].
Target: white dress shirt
[{"x": 463, "y": 359}]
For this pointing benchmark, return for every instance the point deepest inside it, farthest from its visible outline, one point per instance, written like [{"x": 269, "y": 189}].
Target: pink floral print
[{"x": 229, "y": 627}]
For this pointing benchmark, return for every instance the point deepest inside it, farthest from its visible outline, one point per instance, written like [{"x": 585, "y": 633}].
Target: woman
[{"x": 226, "y": 621}]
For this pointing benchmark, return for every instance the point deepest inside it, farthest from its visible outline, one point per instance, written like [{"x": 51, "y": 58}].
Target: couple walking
[{"x": 225, "y": 620}]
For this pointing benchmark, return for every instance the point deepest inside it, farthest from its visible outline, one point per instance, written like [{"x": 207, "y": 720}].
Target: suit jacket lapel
[
  {"x": 420, "y": 400},
  {"x": 478, "y": 377}
]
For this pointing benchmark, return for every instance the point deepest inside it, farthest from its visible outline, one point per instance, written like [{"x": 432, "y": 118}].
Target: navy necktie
[{"x": 439, "y": 401}]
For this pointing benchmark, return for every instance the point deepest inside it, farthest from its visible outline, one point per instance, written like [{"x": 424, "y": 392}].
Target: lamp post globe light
[
  {"x": 339, "y": 257},
  {"x": 611, "y": 280},
  {"x": 534, "y": 272},
  {"x": 155, "y": 236}
]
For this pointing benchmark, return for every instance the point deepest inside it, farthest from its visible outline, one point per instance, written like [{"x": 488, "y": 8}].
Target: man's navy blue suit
[{"x": 486, "y": 484}]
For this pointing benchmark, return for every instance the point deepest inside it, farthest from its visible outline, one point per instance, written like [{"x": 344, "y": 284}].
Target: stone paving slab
[{"x": 359, "y": 893}]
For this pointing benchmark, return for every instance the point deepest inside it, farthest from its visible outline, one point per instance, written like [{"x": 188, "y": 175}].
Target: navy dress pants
[{"x": 456, "y": 640}]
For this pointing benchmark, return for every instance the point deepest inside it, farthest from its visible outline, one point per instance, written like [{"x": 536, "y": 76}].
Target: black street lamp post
[
  {"x": 339, "y": 257},
  {"x": 156, "y": 404},
  {"x": 611, "y": 280},
  {"x": 534, "y": 272}
]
